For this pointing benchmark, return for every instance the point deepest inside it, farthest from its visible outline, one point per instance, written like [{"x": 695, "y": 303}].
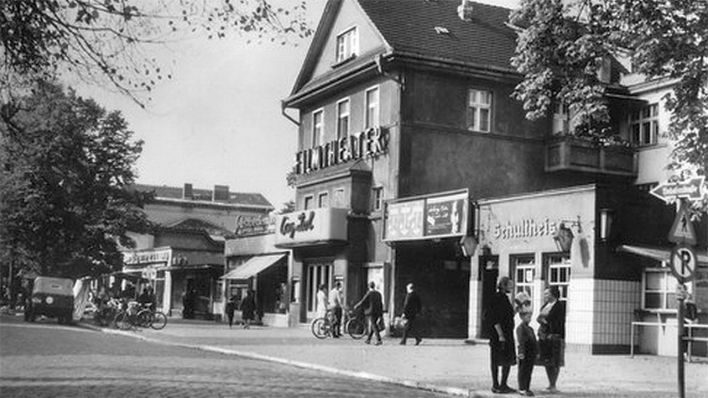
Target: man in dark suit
[
  {"x": 411, "y": 308},
  {"x": 373, "y": 309}
]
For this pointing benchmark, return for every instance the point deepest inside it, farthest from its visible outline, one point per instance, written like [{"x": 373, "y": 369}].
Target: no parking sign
[{"x": 683, "y": 263}]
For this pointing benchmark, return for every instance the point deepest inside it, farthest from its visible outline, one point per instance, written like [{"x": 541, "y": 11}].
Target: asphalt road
[{"x": 45, "y": 359}]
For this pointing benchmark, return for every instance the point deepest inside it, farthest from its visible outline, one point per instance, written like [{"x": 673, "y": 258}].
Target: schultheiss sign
[{"x": 311, "y": 227}]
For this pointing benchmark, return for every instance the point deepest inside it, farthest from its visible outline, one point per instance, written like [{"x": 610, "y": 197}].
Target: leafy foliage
[
  {"x": 108, "y": 39},
  {"x": 563, "y": 44},
  {"x": 66, "y": 163}
]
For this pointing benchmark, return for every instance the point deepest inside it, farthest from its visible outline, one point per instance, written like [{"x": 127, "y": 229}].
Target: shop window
[
  {"x": 317, "y": 127},
  {"x": 479, "y": 110},
  {"x": 347, "y": 45},
  {"x": 558, "y": 273},
  {"x": 323, "y": 200},
  {"x": 644, "y": 125},
  {"x": 376, "y": 198},
  {"x": 342, "y": 118},
  {"x": 338, "y": 198},
  {"x": 524, "y": 273},
  {"x": 372, "y": 107},
  {"x": 307, "y": 202},
  {"x": 658, "y": 289},
  {"x": 561, "y": 119},
  {"x": 219, "y": 290}
]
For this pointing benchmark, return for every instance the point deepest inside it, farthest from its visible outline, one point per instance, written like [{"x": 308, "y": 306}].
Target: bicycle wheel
[
  {"x": 320, "y": 328},
  {"x": 355, "y": 328},
  {"x": 159, "y": 320},
  {"x": 123, "y": 321},
  {"x": 144, "y": 318}
]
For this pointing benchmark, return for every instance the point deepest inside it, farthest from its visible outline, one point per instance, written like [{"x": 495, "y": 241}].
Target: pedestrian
[
  {"x": 527, "y": 352},
  {"x": 230, "y": 309},
  {"x": 147, "y": 297},
  {"x": 321, "y": 303},
  {"x": 411, "y": 308},
  {"x": 373, "y": 309},
  {"x": 500, "y": 315},
  {"x": 551, "y": 335},
  {"x": 335, "y": 306},
  {"x": 248, "y": 308}
]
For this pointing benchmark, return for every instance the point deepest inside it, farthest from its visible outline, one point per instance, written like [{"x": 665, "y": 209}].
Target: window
[
  {"x": 659, "y": 289},
  {"x": 479, "y": 110},
  {"x": 323, "y": 200},
  {"x": 295, "y": 290},
  {"x": 338, "y": 198},
  {"x": 559, "y": 273},
  {"x": 376, "y": 198},
  {"x": 317, "y": 127},
  {"x": 307, "y": 202},
  {"x": 561, "y": 119},
  {"x": 317, "y": 274},
  {"x": 342, "y": 118},
  {"x": 347, "y": 45},
  {"x": 644, "y": 125},
  {"x": 372, "y": 108},
  {"x": 524, "y": 274}
]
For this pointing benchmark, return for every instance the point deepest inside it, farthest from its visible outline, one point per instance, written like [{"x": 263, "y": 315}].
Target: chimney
[
  {"x": 187, "y": 191},
  {"x": 464, "y": 10},
  {"x": 221, "y": 193}
]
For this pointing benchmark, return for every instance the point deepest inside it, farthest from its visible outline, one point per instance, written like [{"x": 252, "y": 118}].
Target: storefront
[
  {"x": 570, "y": 238},
  {"x": 322, "y": 255},
  {"x": 427, "y": 234}
]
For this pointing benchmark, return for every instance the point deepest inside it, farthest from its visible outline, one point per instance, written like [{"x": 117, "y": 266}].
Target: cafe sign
[
  {"x": 371, "y": 142},
  {"x": 254, "y": 225},
  {"x": 311, "y": 227},
  {"x": 154, "y": 256},
  {"x": 430, "y": 217}
]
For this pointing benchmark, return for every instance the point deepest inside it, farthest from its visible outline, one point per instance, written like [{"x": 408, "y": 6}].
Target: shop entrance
[
  {"x": 318, "y": 273},
  {"x": 489, "y": 272}
]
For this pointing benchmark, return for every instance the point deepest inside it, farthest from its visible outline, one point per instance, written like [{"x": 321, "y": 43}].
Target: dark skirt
[
  {"x": 552, "y": 351},
  {"x": 502, "y": 354}
]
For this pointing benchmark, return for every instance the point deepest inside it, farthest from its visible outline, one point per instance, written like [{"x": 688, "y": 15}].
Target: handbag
[
  {"x": 400, "y": 323},
  {"x": 380, "y": 324}
]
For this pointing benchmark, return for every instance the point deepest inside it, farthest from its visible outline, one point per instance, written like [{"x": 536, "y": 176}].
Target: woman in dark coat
[
  {"x": 248, "y": 309},
  {"x": 230, "y": 308},
  {"x": 551, "y": 335},
  {"x": 500, "y": 315}
]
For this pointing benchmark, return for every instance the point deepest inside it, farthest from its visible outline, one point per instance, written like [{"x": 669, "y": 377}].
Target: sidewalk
[{"x": 442, "y": 365}]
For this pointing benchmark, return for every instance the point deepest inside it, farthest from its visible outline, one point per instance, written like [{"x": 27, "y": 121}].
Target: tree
[
  {"x": 563, "y": 43},
  {"x": 107, "y": 39},
  {"x": 66, "y": 163},
  {"x": 288, "y": 207}
]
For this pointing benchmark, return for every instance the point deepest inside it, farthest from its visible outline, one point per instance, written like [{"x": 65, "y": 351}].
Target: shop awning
[
  {"x": 192, "y": 267},
  {"x": 253, "y": 266},
  {"x": 658, "y": 254}
]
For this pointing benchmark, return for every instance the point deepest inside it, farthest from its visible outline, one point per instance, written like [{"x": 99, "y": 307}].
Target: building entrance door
[
  {"x": 489, "y": 270},
  {"x": 318, "y": 273}
]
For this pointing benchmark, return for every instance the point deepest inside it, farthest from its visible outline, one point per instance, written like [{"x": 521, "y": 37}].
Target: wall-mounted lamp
[{"x": 606, "y": 218}]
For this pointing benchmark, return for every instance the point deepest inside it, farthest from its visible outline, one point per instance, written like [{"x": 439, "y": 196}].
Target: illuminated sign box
[
  {"x": 311, "y": 227},
  {"x": 428, "y": 217}
]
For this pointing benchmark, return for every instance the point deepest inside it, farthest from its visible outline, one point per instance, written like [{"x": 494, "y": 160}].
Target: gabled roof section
[{"x": 419, "y": 27}]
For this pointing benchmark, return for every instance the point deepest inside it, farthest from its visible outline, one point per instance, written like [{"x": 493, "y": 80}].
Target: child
[{"x": 527, "y": 352}]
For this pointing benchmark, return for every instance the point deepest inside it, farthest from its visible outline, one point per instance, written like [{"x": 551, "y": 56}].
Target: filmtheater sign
[{"x": 371, "y": 142}]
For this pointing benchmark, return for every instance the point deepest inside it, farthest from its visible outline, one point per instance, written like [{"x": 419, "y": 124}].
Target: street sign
[
  {"x": 683, "y": 263},
  {"x": 689, "y": 189},
  {"x": 682, "y": 230}
]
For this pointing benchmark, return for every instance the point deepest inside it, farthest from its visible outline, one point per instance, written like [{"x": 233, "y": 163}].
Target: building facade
[
  {"x": 183, "y": 257},
  {"x": 406, "y": 124}
]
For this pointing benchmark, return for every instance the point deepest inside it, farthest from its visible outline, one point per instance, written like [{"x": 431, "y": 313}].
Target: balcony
[{"x": 576, "y": 154}]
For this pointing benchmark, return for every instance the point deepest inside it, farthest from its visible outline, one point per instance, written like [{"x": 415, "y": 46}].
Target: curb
[{"x": 453, "y": 391}]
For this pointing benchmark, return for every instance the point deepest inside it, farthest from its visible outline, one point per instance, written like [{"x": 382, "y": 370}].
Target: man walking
[
  {"x": 411, "y": 308},
  {"x": 335, "y": 306},
  {"x": 373, "y": 309}
]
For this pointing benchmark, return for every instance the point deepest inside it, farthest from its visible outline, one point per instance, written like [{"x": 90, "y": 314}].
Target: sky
[{"x": 218, "y": 120}]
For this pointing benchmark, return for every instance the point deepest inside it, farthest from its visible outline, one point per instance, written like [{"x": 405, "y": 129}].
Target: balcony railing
[{"x": 575, "y": 154}]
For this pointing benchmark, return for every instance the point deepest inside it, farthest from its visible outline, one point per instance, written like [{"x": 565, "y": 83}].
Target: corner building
[{"x": 409, "y": 146}]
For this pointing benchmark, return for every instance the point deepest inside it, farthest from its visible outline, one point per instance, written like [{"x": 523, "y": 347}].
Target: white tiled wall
[{"x": 601, "y": 311}]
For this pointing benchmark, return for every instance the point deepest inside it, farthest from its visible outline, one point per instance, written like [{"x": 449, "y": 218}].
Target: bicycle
[
  {"x": 149, "y": 317},
  {"x": 322, "y": 327},
  {"x": 127, "y": 317},
  {"x": 356, "y": 325}
]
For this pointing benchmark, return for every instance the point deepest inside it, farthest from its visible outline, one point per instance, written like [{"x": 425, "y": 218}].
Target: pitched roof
[
  {"x": 410, "y": 26},
  {"x": 204, "y": 195}
]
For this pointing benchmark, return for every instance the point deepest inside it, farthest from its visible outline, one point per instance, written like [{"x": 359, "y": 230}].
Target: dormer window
[{"x": 347, "y": 45}]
